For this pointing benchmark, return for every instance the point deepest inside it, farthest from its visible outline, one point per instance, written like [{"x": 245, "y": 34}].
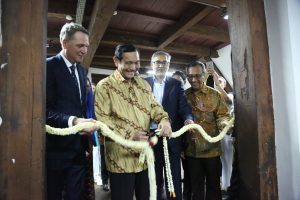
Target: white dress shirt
[{"x": 158, "y": 92}]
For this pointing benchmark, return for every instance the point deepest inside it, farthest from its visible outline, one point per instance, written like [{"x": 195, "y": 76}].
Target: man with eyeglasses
[
  {"x": 170, "y": 94},
  {"x": 124, "y": 102},
  {"x": 203, "y": 158}
]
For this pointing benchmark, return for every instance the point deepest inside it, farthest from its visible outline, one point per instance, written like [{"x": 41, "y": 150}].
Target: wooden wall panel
[
  {"x": 254, "y": 106},
  {"x": 22, "y": 99}
]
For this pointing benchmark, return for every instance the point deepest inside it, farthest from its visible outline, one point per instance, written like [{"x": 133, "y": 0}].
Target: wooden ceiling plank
[
  {"x": 210, "y": 32},
  {"x": 186, "y": 22},
  {"x": 109, "y": 64},
  {"x": 101, "y": 15},
  {"x": 114, "y": 38},
  {"x": 211, "y": 3},
  {"x": 191, "y": 49},
  {"x": 145, "y": 58},
  {"x": 147, "y": 17},
  {"x": 57, "y": 15}
]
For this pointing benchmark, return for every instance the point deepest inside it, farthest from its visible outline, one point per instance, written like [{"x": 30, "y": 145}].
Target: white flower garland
[
  {"x": 168, "y": 169},
  {"x": 143, "y": 146}
]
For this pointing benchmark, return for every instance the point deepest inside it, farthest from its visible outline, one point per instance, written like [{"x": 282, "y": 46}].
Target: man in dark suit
[
  {"x": 170, "y": 94},
  {"x": 65, "y": 107}
]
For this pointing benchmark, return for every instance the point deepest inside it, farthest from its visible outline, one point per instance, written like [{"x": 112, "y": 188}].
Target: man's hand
[
  {"x": 188, "y": 121},
  {"x": 216, "y": 77},
  {"x": 165, "y": 128},
  {"x": 140, "y": 136},
  {"x": 85, "y": 131}
]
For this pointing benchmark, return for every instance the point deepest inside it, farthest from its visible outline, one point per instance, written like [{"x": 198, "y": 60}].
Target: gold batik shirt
[
  {"x": 210, "y": 111},
  {"x": 126, "y": 107}
]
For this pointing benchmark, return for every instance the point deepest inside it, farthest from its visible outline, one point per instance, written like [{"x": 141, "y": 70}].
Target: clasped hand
[{"x": 86, "y": 131}]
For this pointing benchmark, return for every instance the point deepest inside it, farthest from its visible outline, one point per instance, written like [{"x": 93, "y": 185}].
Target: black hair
[
  {"x": 181, "y": 74},
  {"x": 195, "y": 63},
  {"x": 124, "y": 48}
]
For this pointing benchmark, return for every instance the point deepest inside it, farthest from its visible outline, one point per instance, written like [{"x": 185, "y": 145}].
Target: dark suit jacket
[
  {"x": 63, "y": 101},
  {"x": 175, "y": 104}
]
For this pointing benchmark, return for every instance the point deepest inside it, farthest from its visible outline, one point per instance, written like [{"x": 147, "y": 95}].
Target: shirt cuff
[{"x": 70, "y": 121}]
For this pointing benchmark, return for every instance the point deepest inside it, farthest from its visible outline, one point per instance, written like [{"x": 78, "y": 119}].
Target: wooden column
[
  {"x": 22, "y": 99},
  {"x": 254, "y": 106}
]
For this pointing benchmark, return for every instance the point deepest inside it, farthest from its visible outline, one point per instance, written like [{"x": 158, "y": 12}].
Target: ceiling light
[
  {"x": 224, "y": 13},
  {"x": 69, "y": 17},
  {"x": 115, "y": 12}
]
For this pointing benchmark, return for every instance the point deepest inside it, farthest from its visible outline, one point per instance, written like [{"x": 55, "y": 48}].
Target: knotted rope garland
[{"x": 143, "y": 146}]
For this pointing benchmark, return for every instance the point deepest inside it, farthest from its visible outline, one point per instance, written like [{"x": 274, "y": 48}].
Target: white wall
[
  {"x": 93, "y": 70},
  {"x": 223, "y": 63},
  {"x": 283, "y": 27}
]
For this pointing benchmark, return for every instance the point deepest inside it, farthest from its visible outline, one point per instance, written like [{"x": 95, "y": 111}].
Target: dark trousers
[
  {"x": 124, "y": 184},
  {"x": 104, "y": 172},
  {"x": 67, "y": 183},
  {"x": 175, "y": 170},
  {"x": 205, "y": 178},
  {"x": 187, "y": 191}
]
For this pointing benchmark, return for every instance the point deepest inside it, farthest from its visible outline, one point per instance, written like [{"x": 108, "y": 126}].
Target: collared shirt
[
  {"x": 126, "y": 107},
  {"x": 210, "y": 111},
  {"x": 69, "y": 64},
  {"x": 158, "y": 92}
]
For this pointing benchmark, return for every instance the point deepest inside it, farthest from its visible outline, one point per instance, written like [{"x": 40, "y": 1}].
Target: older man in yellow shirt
[
  {"x": 203, "y": 158},
  {"x": 125, "y": 103}
]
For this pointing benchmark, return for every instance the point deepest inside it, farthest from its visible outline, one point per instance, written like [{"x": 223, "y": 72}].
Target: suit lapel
[
  {"x": 166, "y": 90},
  {"x": 151, "y": 82},
  {"x": 67, "y": 74},
  {"x": 64, "y": 69}
]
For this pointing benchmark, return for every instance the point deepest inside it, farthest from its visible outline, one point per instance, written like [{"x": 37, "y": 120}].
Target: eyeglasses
[
  {"x": 197, "y": 76},
  {"x": 158, "y": 62}
]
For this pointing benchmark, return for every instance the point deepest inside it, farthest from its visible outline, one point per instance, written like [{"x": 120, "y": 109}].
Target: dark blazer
[
  {"x": 63, "y": 101},
  {"x": 175, "y": 104}
]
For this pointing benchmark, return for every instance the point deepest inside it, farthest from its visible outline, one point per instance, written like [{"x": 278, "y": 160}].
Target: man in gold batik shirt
[
  {"x": 203, "y": 158},
  {"x": 125, "y": 103}
]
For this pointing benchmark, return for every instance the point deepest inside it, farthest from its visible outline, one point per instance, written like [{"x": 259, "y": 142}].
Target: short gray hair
[
  {"x": 161, "y": 53},
  {"x": 69, "y": 29}
]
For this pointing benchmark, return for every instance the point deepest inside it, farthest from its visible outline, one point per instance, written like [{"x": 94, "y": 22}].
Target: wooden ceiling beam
[
  {"x": 146, "y": 16},
  {"x": 210, "y": 32},
  {"x": 191, "y": 49},
  {"x": 109, "y": 64},
  {"x": 58, "y": 15},
  {"x": 64, "y": 7},
  {"x": 114, "y": 38},
  {"x": 186, "y": 22},
  {"x": 145, "y": 58},
  {"x": 145, "y": 42},
  {"x": 101, "y": 15},
  {"x": 211, "y": 3}
]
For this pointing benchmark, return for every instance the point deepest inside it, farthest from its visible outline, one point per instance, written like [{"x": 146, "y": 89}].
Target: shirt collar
[
  {"x": 203, "y": 90},
  {"x": 68, "y": 63},
  {"x": 118, "y": 76},
  {"x": 156, "y": 81}
]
